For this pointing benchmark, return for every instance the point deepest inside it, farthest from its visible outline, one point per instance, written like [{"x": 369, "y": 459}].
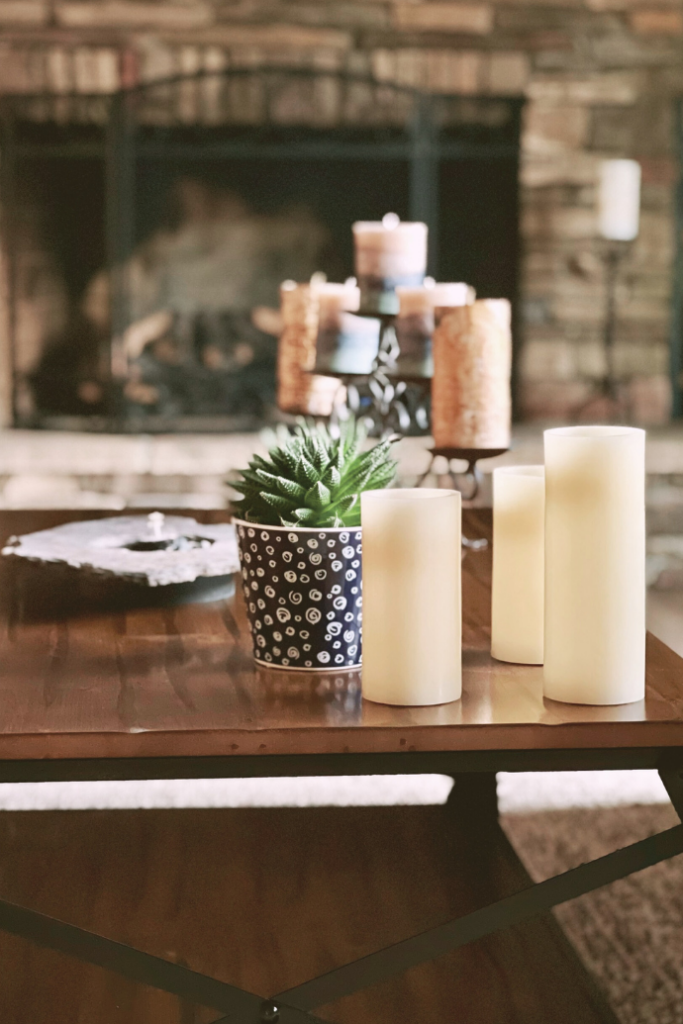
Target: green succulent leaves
[{"x": 313, "y": 479}]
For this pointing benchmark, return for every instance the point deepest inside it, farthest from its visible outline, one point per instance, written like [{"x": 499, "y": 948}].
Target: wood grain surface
[
  {"x": 266, "y": 899},
  {"x": 137, "y": 682}
]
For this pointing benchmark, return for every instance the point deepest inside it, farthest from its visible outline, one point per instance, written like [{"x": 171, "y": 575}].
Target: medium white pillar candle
[
  {"x": 619, "y": 200},
  {"x": 518, "y": 558},
  {"x": 595, "y": 565},
  {"x": 411, "y": 596}
]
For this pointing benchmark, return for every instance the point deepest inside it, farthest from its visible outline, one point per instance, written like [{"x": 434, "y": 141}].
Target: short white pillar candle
[
  {"x": 619, "y": 200},
  {"x": 518, "y": 559},
  {"x": 411, "y": 596},
  {"x": 595, "y": 565}
]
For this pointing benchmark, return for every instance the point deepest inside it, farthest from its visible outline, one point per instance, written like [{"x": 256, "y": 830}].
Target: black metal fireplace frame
[{"x": 120, "y": 146}]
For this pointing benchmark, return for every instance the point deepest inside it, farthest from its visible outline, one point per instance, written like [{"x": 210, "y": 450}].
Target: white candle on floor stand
[
  {"x": 411, "y": 596},
  {"x": 619, "y": 200},
  {"x": 595, "y": 565},
  {"x": 517, "y": 590}
]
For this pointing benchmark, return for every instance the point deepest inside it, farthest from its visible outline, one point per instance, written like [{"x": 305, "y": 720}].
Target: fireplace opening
[{"x": 147, "y": 241}]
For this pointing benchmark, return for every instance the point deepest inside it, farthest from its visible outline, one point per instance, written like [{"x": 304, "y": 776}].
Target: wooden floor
[{"x": 268, "y": 898}]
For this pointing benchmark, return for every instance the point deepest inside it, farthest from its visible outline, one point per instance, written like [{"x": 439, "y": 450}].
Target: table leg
[{"x": 474, "y": 799}]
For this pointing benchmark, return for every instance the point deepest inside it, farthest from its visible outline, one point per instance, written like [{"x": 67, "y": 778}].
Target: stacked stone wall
[{"x": 600, "y": 77}]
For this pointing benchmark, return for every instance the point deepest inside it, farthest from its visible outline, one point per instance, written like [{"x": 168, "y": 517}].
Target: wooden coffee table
[{"x": 408, "y": 914}]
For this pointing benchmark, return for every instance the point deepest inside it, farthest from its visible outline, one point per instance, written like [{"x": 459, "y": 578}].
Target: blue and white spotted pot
[{"x": 303, "y": 591}]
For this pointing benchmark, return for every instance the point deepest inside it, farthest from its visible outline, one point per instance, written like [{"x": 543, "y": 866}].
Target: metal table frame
[{"x": 473, "y": 795}]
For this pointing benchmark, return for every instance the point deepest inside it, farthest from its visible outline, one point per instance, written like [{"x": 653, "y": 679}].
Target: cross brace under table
[{"x": 473, "y": 795}]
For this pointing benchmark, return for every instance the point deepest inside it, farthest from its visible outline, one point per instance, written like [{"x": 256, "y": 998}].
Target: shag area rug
[{"x": 629, "y": 934}]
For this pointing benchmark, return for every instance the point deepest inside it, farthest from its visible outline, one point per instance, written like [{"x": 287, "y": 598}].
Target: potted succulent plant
[{"x": 299, "y": 537}]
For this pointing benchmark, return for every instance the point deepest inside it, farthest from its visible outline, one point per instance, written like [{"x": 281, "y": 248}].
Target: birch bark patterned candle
[
  {"x": 298, "y": 390},
  {"x": 471, "y": 402}
]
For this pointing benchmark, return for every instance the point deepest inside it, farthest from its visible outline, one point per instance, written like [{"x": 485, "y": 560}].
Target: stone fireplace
[
  {"x": 148, "y": 232},
  {"x": 589, "y": 79}
]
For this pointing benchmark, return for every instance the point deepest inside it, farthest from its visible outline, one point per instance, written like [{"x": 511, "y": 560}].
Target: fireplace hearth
[{"x": 148, "y": 231}]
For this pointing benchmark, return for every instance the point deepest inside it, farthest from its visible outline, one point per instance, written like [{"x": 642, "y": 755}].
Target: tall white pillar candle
[
  {"x": 619, "y": 200},
  {"x": 595, "y": 565},
  {"x": 517, "y": 590},
  {"x": 411, "y": 596}
]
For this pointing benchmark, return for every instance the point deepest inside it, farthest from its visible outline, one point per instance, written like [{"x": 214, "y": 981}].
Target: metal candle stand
[
  {"x": 395, "y": 406},
  {"x": 469, "y": 455},
  {"x": 394, "y": 409},
  {"x": 472, "y": 456},
  {"x": 606, "y": 388}
]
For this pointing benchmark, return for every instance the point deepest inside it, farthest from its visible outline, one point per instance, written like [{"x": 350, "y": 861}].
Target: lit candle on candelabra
[
  {"x": 388, "y": 254},
  {"x": 346, "y": 344},
  {"x": 446, "y": 295},
  {"x": 418, "y": 309},
  {"x": 414, "y": 330}
]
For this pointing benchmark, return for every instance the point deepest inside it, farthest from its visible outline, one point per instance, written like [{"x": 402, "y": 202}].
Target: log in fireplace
[{"x": 148, "y": 231}]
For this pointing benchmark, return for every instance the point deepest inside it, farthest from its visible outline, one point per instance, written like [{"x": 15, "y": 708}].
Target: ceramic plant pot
[{"x": 303, "y": 592}]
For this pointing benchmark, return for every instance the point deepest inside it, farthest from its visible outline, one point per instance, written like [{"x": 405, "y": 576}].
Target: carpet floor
[{"x": 629, "y": 934}]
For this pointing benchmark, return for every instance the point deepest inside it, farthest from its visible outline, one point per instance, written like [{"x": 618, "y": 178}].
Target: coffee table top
[{"x": 169, "y": 682}]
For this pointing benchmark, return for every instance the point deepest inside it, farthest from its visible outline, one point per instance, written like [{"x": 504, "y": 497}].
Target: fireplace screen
[{"x": 146, "y": 234}]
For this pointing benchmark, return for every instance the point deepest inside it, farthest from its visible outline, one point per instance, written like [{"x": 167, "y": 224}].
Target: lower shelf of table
[{"x": 265, "y": 899}]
